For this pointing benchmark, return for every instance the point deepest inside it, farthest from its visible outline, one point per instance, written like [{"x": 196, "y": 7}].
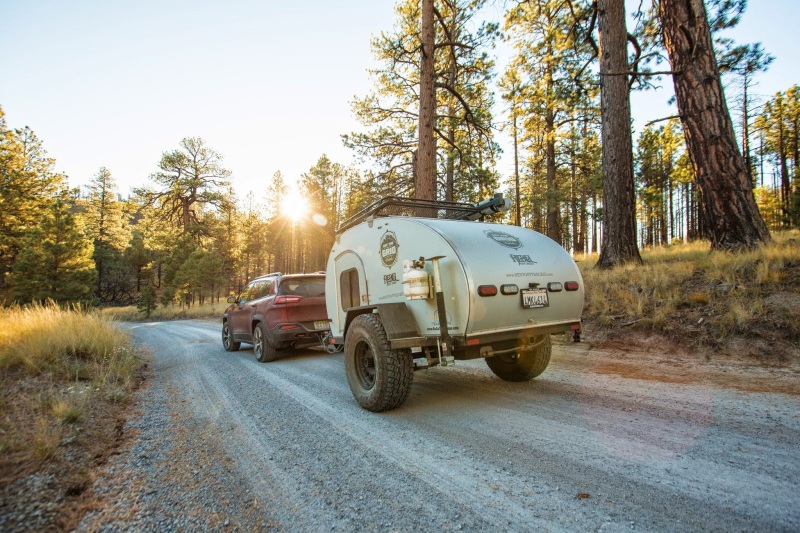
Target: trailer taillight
[
  {"x": 571, "y": 286},
  {"x": 487, "y": 290},
  {"x": 554, "y": 286},
  {"x": 287, "y": 299}
]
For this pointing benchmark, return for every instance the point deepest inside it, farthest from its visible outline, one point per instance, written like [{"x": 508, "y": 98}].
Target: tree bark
[
  {"x": 425, "y": 179},
  {"x": 730, "y": 214},
  {"x": 619, "y": 201},
  {"x": 553, "y": 218},
  {"x": 517, "y": 207}
]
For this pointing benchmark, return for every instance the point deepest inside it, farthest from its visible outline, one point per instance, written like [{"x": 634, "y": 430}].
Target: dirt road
[{"x": 605, "y": 440}]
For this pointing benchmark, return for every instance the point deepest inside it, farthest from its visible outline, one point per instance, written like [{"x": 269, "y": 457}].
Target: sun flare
[{"x": 294, "y": 206}]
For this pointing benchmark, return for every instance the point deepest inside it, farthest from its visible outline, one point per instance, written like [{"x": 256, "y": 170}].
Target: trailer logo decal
[
  {"x": 522, "y": 259},
  {"x": 390, "y": 279},
  {"x": 388, "y": 249},
  {"x": 435, "y": 323},
  {"x": 504, "y": 239}
]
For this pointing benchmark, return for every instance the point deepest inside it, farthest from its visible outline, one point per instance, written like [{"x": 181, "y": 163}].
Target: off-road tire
[
  {"x": 265, "y": 351},
  {"x": 379, "y": 377},
  {"x": 228, "y": 343},
  {"x": 522, "y": 366}
]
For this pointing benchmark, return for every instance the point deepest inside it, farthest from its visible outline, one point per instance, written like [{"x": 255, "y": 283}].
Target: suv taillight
[{"x": 287, "y": 299}]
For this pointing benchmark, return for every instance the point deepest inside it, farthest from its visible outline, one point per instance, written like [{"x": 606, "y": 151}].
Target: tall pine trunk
[
  {"x": 730, "y": 214},
  {"x": 425, "y": 178},
  {"x": 619, "y": 201},
  {"x": 553, "y": 219},
  {"x": 517, "y": 207}
]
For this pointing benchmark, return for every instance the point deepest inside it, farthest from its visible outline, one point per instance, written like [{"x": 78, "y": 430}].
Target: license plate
[
  {"x": 534, "y": 298},
  {"x": 321, "y": 324}
]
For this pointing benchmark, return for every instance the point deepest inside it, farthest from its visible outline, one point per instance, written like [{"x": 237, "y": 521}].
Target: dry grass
[
  {"x": 171, "y": 312},
  {"x": 65, "y": 376},
  {"x": 72, "y": 344},
  {"x": 702, "y": 298}
]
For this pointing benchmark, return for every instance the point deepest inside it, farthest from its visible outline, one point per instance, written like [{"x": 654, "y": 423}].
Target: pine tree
[
  {"x": 28, "y": 185},
  {"x": 780, "y": 124},
  {"x": 147, "y": 302},
  {"x": 105, "y": 223},
  {"x": 745, "y": 61},
  {"x": 619, "y": 201},
  {"x": 462, "y": 144},
  {"x": 548, "y": 63},
  {"x": 512, "y": 86},
  {"x": 729, "y": 207},
  {"x": 321, "y": 186},
  {"x": 191, "y": 179},
  {"x": 659, "y": 151},
  {"x": 55, "y": 261}
]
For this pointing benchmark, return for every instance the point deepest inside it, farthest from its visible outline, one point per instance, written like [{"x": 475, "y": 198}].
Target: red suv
[{"x": 275, "y": 312}]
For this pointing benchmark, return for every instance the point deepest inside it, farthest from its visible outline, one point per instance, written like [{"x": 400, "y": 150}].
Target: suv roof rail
[{"x": 271, "y": 274}]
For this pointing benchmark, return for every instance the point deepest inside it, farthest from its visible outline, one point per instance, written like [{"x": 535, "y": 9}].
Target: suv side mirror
[{"x": 231, "y": 299}]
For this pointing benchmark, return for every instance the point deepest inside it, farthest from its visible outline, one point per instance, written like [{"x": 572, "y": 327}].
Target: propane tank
[{"x": 416, "y": 282}]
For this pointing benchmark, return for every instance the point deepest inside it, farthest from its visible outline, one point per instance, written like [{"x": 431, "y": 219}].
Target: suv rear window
[{"x": 306, "y": 287}]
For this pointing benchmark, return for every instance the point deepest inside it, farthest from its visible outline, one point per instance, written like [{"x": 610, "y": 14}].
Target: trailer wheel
[
  {"x": 522, "y": 366},
  {"x": 265, "y": 351},
  {"x": 379, "y": 377}
]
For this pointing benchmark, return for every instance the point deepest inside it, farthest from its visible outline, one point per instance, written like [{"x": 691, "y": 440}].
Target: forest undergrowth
[{"x": 718, "y": 302}]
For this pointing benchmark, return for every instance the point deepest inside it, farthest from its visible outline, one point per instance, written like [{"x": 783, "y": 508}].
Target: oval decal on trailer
[
  {"x": 388, "y": 251},
  {"x": 504, "y": 239}
]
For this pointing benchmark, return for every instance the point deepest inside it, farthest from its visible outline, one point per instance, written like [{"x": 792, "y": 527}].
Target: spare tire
[{"x": 522, "y": 365}]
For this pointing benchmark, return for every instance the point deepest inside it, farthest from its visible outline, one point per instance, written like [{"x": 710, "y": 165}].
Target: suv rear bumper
[{"x": 296, "y": 332}]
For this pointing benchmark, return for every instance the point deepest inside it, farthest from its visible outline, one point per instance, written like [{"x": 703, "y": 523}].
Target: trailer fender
[{"x": 397, "y": 320}]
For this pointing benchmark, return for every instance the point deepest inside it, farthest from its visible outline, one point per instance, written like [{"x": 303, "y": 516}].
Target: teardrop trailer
[{"x": 412, "y": 284}]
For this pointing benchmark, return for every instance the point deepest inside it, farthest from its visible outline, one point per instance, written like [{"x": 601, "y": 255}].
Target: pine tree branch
[
  {"x": 661, "y": 120},
  {"x": 644, "y": 74}
]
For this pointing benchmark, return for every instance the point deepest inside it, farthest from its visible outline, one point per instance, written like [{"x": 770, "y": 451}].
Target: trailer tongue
[{"x": 413, "y": 284}]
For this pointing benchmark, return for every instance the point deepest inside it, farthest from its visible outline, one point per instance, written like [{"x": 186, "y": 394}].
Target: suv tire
[
  {"x": 228, "y": 343},
  {"x": 264, "y": 350},
  {"x": 522, "y": 366},
  {"x": 379, "y": 377}
]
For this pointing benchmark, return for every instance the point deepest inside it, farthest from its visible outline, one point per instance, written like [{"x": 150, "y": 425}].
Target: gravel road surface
[{"x": 604, "y": 440}]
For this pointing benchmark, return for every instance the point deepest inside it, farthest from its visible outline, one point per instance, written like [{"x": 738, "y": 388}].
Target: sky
[{"x": 266, "y": 83}]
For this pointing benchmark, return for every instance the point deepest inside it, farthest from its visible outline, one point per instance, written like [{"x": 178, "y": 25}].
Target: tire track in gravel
[
  {"x": 227, "y": 420},
  {"x": 453, "y": 481},
  {"x": 252, "y": 452}
]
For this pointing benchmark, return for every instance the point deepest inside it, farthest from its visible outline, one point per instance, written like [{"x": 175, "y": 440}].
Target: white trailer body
[
  {"x": 504, "y": 290},
  {"x": 475, "y": 254}
]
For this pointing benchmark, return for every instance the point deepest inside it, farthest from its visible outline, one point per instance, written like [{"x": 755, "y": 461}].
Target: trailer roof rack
[{"x": 418, "y": 207}]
